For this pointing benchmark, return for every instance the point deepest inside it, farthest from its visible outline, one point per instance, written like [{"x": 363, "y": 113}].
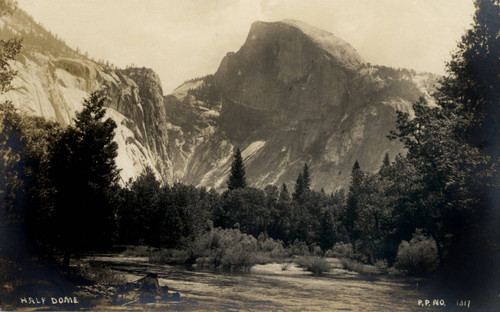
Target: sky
[{"x": 183, "y": 39}]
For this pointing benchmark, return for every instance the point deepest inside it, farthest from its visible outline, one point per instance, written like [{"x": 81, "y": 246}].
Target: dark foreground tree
[
  {"x": 237, "y": 177},
  {"x": 8, "y": 157},
  {"x": 85, "y": 177},
  {"x": 454, "y": 150},
  {"x": 471, "y": 91},
  {"x": 27, "y": 201},
  {"x": 473, "y": 81}
]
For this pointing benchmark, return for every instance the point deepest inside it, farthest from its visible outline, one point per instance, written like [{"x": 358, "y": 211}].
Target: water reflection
[{"x": 268, "y": 287}]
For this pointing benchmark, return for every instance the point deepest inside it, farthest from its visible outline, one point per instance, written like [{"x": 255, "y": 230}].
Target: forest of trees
[{"x": 60, "y": 185}]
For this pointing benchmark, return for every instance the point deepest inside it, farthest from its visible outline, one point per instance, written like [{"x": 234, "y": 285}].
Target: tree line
[{"x": 60, "y": 185}]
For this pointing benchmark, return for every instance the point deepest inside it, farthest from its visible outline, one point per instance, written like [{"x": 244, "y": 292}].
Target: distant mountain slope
[
  {"x": 292, "y": 94},
  {"x": 53, "y": 79}
]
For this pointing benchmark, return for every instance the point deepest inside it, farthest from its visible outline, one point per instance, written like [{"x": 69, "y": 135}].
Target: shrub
[
  {"x": 273, "y": 248},
  {"x": 285, "y": 266},
  {"x": 316, "y": 251},
  {"x": 316, "y": 265},
  {"x": 358, "y": 267},
  {"x": 169, "y": 256},
  {"x": 419, "y": 256},
  {"x": 343, "y": 250},
  {"x": 99, "y": 273},
  {"x": 351, "y": 264},
  {"x": 299, "y": 248},
  {"x": 382, "y": 265},
  {"x": 138, "y": 251},
  {"x": 225, "y": 249}
]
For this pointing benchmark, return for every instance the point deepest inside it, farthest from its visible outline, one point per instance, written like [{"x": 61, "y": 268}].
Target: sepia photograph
[{"x": 250, "y": 155}]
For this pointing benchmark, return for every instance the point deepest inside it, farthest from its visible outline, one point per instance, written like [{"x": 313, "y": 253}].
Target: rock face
[
  {"x": 292, "y": 94},
  {"x": 53, "y": 80}
]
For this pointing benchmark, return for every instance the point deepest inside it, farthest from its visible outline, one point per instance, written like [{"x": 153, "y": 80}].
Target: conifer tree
[
  {"x": 302, "y": 184},
  {"x": 306, "y": 178},
  {"x": 471, "y": 91},
  {"x": 299, "y": 188},
  {"x": 386, "y": 164},
  {"x": 473, "y": 81},
  {"x": 454, "y": 150},
  {"x": 85, "y": 177},
  {"x": 352, "y": 205},
  {"x": 237, "y": 177},
  {"x": 284, "y": 194}
]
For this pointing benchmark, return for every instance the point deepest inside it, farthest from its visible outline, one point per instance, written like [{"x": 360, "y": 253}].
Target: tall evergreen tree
[
  {"x": 471, "y": 91},
  {"x": 85, "y": 177},
  {"x": 352, "y": 205},
  {"x": 386, "y": 164},
  {"x": 284, "y": 194},
  {"x": 299, "y": 188},
  {"x": 473, "y": 81},
  {"x": 306, "y": 178},
  {"x": 454, "y": 150},
  {"x": 237, "y": 177},
  {"x": 302, "y": 184}
]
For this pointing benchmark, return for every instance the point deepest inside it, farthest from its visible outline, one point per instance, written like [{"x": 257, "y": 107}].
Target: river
[{"x": 269, "y": 288}]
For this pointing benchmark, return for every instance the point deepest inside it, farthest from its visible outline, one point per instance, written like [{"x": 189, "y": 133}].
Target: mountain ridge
[{"x": 283, "y": 98}]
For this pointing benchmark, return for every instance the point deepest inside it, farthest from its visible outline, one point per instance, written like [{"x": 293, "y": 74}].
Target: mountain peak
[{"x": 336, "y": 47}]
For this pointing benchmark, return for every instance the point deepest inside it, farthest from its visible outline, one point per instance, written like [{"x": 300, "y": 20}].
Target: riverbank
[
  {"x": 276, "y": 286},
  {"x": 269, "y": 287}
]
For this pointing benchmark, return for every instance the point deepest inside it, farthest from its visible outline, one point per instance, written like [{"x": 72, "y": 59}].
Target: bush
[
  {"x": 316, "y": 251},
  {"x": 382, "y": 265},
  {"x": 419, "y": 256},
  {"x": 342, "y": 250},
  {"x": 286, "y": 265},
  {"x": 299, "y": 248},
  {"x": 359, "y": 267},
  {"x": 351, "y": 265},
  {"x": 273, "y": 248},
  {"x": 316, "y": 265},
  {"x": 138, "y": 251},
  {"x": 169, "y": 256},
  {"x": 100, "y": 274},
  {"x": 226, "y": 249}
]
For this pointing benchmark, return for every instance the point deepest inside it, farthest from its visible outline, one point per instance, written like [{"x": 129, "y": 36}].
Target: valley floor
[{"x": 264, "y": 288}]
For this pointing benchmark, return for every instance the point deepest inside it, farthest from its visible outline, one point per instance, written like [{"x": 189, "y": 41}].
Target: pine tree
[
  {"x": 386, "y": 164},
  {"x": 237, "y": 177},
  {"x": 471, "y": 92},
  {"x": 473, "y": 81},
  {"x": 85, "y": 177},
  {"x": 299, "y": 188},
  {"x": 454, "y": 148},
  {"x": 302, "y": 184},
  {"x": 352, "y": 205},
  {"x": 306, "y": 178},
  {"x": 284, "y": 194},
  {"x": 356, "y": 166}
]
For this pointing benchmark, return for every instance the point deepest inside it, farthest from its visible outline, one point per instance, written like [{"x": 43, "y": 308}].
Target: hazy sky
[{"x": 183, "y": 39}]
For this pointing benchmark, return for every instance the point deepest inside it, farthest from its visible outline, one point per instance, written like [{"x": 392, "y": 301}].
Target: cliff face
[
  {"x": 53, "y": 80},
  {"x": 292, "y": 94}
]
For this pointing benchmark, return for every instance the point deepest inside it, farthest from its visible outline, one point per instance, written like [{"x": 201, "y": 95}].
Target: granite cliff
[{"x": 292, "y": 94}]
